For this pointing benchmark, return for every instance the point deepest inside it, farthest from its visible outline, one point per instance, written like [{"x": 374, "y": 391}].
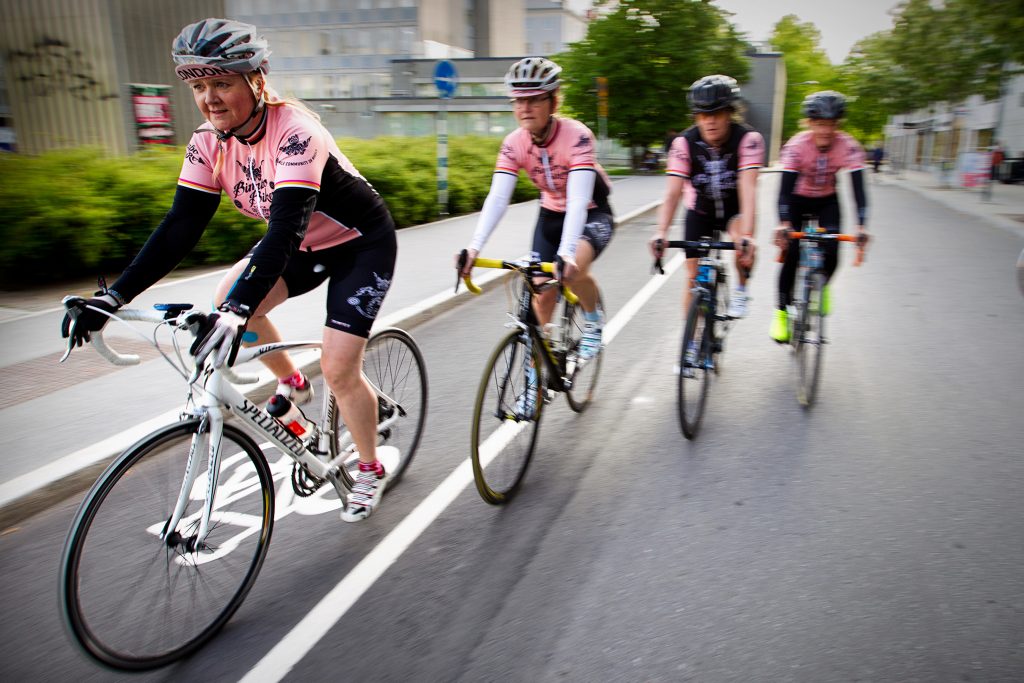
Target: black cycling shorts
[
  {"x": 701, "y": 226},
  {"x": 360, "y": 275},
  {"x": 548, "y": 233}
]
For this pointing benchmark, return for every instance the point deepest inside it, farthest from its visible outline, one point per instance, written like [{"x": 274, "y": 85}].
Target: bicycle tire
[
  {"x": 810, "y": 344},
  {"x": 502, "y": 441},
  {"x": 110, "y": 610},
  {"x": 722, "y": 322},
  {"x": 693, "y": 391},
  {"x": 394, "y": 364},
  {"x": 583, "y": 376}
]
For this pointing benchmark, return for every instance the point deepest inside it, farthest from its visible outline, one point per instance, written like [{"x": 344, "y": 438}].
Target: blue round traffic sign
[{"x": 445, "y": 78}]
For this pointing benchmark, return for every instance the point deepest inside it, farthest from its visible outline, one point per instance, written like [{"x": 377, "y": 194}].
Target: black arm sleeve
[
  {"x": 172, "y": 240},
  {"x": 857, "y": 180},
  {"x": 290, "y": 211},
  {"x": 786, "y": 194}
]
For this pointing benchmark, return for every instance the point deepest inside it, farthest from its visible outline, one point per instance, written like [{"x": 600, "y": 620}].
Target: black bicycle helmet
[
  {"x": 826, "y": 104},
  {"x": 219, "y": 45},
  {"x": 713, "y": 93}
]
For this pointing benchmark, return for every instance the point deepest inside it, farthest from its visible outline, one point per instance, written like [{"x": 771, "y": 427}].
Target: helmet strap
[
  {"x": 544, "y": 134},
  {"x": 225, "y": 135}
]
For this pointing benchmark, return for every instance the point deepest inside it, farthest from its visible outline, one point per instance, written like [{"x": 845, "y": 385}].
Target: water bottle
[{"x": 289, "y": 415}]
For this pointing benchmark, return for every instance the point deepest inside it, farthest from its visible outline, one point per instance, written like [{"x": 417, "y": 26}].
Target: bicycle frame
[
  {"x": 526, "y": 318},
  {"x": 711, "y": 270},
  {"x": 217, "y": 395}
]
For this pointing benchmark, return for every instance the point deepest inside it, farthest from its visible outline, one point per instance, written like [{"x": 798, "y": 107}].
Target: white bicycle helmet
[
  {"x": 219, "y": 47},
  {"x": 532, "y": 76}
]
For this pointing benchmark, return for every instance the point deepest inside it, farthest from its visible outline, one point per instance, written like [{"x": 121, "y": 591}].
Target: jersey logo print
[
  {"x": 549, "y": 176},
  {"x": 584, "y": 142},
  {"x": 508, "y": 152},
  {"x": 192, "y": 154},
  {"x": 367, "y": 300},
  {"x": 253, "y": 185},
  {"x": 294, "y": 146}
]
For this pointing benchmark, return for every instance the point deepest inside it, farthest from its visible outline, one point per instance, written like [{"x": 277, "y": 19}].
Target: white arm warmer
[
  {"x": 502, "y": 186},
  {"x": 579, "y": 190}
]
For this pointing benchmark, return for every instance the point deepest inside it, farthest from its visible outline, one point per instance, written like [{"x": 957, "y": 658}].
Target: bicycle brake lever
[
  {"x": 463, "y": 256},
  {"x": 74, "y": 305},
  {"x": 659, "y": 250}
]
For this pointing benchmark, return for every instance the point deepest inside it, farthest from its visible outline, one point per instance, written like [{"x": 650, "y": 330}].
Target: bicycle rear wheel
[
  {"x": 394, "y": 364},
  {"x": 582, "y": 374},
  {"x": 134, "y": 600},
  {"x": 694, "y": 374},
  {"x": 810, "y": 344},
  {"x": 503, "y": 438}
]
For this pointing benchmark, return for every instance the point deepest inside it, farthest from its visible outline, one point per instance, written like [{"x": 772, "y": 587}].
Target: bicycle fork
[{"x": 208, "y": 437}]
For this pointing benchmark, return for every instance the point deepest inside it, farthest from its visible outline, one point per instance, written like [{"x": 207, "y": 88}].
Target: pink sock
[
  {"x": 296, "y": 380},
  {"x": 376, "y": 467}
]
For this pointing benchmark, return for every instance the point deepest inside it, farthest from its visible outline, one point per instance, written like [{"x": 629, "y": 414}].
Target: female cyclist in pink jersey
[
  {"x": 558, "y": 154},
  {"x": 713, "y": 167},
  {"x": 277, "y": 163},
  {"x": 810, "y": 161}
]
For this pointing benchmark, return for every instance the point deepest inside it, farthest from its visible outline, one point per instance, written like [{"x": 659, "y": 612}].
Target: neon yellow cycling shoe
[
  {"x": 780, "y": 327},
  {"x": 826, "y": 300}
]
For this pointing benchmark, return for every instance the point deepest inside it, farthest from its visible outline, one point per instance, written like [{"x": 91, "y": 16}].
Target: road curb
[{"x": 30, "y": 494}]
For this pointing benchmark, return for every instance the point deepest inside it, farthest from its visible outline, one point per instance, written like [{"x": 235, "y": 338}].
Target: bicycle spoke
[
  {"x": 504, "y": 435},
  {"x": 136, "y": 601},
  {"x": 694, "y": 371}
]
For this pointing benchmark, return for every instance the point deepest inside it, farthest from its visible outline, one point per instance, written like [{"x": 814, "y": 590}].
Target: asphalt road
[{"x": 875, "y": 537}]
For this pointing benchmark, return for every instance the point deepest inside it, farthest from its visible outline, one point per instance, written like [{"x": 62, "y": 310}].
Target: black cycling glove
[{"x": 80, "y": 326}]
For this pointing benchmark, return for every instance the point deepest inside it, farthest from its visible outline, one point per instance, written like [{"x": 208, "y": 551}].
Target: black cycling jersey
[{"x": 714, "y": 172}]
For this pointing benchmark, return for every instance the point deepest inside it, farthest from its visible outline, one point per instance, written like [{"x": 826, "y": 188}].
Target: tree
[
  {"x": 808, "y": 68},
  {"x": 650, "y": 51},
  {"x": 937, "y": 53}
]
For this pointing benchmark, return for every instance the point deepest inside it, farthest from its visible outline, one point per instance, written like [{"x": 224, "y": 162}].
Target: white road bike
[{"x": 169, "y": 540}]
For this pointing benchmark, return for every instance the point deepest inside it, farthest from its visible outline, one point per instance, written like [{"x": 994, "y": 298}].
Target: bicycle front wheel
[
  {"x": 581, "y": 373},
  {"x": 694, "y": 370},
  {"x": 136, "y": 595},
  {"x": 810, "y": 342},
  {"x": 506, "y": 419}
]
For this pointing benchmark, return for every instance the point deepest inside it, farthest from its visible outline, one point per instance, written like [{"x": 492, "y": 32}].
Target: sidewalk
[
  {"x": 1003, "y": 208},
  {"x": 96, "y": 410}
]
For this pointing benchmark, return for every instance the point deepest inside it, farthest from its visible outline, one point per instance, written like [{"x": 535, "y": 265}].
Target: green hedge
[{"x": 75, "y": 213}]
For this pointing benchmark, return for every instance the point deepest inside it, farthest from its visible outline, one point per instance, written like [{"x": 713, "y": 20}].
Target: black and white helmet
[
  {"x": 713, "y": 93},
  {"x": 215, "y": 47},
  {"x": 826, "y": 104},
  {"x": 532, "y": 76}
]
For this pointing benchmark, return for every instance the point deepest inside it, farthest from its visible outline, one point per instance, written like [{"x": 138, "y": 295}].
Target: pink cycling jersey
[
  {"x": 817, "y": 168},
  {"x": 570, "y": 148},
  {"x": 751, "y": 155},
  {"x": 292, "y": 152}
]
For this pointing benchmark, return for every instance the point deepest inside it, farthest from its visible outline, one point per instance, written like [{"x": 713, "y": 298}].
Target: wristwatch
[{"x": 236, "y": 308}]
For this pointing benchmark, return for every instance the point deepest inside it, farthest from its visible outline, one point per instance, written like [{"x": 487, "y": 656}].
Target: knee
[{"x": 342, "y": 374}]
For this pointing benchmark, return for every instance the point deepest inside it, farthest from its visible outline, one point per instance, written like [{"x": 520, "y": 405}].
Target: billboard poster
[{"x": 151, "y": 107}]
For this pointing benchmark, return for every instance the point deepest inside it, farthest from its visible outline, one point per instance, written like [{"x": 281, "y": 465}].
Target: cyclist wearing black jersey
[{"x": 713, "y": 166}]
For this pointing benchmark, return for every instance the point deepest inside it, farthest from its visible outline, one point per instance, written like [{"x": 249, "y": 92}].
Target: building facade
[
  {"x": 552, "y": 25},
  {"x": 939, "y": 136},
  {"x": 344, "y": 48},
  {"x": 68, "y": 66}
]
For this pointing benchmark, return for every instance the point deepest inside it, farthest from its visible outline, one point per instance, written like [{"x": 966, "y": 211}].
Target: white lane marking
[{"x": 276, "y": 664}]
